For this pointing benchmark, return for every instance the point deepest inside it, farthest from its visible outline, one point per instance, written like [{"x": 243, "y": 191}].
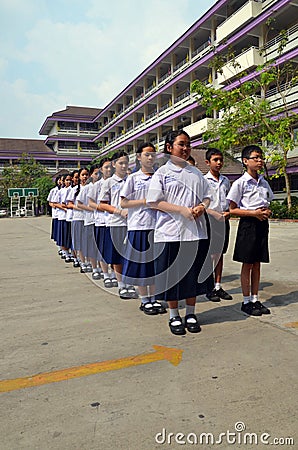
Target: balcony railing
[
  {"x": 279, "y": 37},
  {"x": 282, "y": 89}
]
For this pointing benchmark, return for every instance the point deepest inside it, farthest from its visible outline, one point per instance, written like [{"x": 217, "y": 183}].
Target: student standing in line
[
  {"x": 69, "y": 214},
  {"x": 77, "y": 223},
  {"x": 105, "y": 168},
  {"x": 116, "y": 230},
  {"x": 90, "y": 249},
  {"x": 66, "y": 234},
  {"x": 51, "y": 199},
  {"x": 61, "y": 227},
  {"x": 181, "y": 195},
  {"x": 138, "y": 267},
  {"x": 250, "y": 198},
  {"x": 218, "y": 214}
]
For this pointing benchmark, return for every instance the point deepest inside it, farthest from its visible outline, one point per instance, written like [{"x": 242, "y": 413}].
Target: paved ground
[{"x": 238, "y": 372}]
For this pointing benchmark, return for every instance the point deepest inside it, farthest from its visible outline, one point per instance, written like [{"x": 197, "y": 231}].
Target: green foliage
[
  {"x": 281, "y": 210},
  {"x": 244, "y": 114},
  {"x": 24, "y": 174},
  {"x": 44, "y": 185}
]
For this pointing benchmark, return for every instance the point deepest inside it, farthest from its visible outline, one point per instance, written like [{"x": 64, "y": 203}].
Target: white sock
[
  {"x": 105, "y": 275},
  {"x": 94, "y": 270},
  {"x": 145, "y": 300},
  {"x": 121, "y": 284},
  {"x": 246, "y": 299},
  {"x": 189, "y": 309},
  {"x": 217, "y": 286},
  {"x": 173, "y": 312},
  {"x": 112, "y": 274},
  {"x": 254, "y": 298}
]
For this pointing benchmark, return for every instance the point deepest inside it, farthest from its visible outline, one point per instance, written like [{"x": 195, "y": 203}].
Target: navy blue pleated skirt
[
  {"x": 100, "y": 233},
  {"x": 54, "y": 230},
  {"x": 182, "y": 270},
  {"x": 114, "y": 246},
  {"x": 61, "y": 232},
  {"x": 138, "y": 266},
  {"x": 68, "y": 243}
]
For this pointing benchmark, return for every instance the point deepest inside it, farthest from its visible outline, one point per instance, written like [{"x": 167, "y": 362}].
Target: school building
[{"x": 159, "y": 98}]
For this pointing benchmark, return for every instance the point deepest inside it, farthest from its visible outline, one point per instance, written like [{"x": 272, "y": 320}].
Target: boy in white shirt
[
  {"x": 250, "y": 197},
  {"x": 219, "y": 220}
]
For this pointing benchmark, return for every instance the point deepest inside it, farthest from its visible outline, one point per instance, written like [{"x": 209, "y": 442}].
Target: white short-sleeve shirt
[
  {"x": 93, "y": 194},
  {"x": 110, "y": 193},
  {"x": 69, "y": 212},
  {"x": 83, "y": 198},
  {"x": 180, "y": 186},
  {"x": 220, "y": 188},
  {"x": 51, "y": 198},
  {"x": 249, "y": 193},
  {"x": 136, "y": 188},
  {"x": 61, "y": 198},
  {"x": 77, "y": 214}
]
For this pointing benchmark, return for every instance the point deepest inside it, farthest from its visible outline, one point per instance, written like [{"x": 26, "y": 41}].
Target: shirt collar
[
  {"x": 118, "y": 178},
  {"x": 142, "y": 175},
  {"x": 248, "y": 177},
  {"x": 212, "y": 177},
  {"x": 177, "y": 169}
]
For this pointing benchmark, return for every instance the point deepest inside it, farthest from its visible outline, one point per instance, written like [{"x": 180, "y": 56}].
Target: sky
[{"x": 55, "y": 53}]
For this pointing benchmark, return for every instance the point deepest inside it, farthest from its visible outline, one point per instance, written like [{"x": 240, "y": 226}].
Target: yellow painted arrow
[
  {"x": 291, "y": 325},
  {"x": 173, "y": 355}
]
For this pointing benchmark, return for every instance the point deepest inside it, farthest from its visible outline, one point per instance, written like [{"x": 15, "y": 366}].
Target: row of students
[{"x": 186, "y": 216}]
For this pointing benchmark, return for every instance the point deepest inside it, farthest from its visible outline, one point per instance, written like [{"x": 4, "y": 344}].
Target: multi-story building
[
  {"x": 69, "y": 143},
  {"x": 71, "y": 136},
  {"x": 159, "y": 99}
]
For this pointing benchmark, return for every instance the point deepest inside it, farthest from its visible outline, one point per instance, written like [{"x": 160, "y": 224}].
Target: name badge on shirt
[
  {"x": 116, "y": 187},
  {"x": 170, "y": 179},
  {"x": 139, "y": 185}
]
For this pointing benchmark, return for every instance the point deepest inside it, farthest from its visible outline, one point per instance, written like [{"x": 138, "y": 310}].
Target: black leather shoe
[
  {"x": 178, "y": 329},
  {"x": 212, "y": 296},
  {"x": 148, "y": 309},
  {"x": 159, "y": 308},
  {"x": 192, "y": 327},
  {"x": 262, "y": 307}
]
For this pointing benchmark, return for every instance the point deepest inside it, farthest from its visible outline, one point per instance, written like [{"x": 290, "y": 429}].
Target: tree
[
  {"x": 243, "y": 115},
  {"x": 24, "y": 174},
  {"x": 44, "y": 185}
]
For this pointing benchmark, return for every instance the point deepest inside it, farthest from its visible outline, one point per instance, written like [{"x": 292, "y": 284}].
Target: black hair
[
  {"x": 72, "y": 174},
  {"x": 79, "y": 182},
  {"x": 212, "y": 151},
  {"x": 93, "y": 168},
  {"x": 171, "y": 136},
  {"x": 144, "y": 145},
  {"x": 63, "y": 177},
  {"x": 56, "y": 180},
  {"x": 102, "y": 161},
  {"x": 118, "y": 155},
  {"x": 140, "y": 151},
  {"x": 247, "y": 151}
]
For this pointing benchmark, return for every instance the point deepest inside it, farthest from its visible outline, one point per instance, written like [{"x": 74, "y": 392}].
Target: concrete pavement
[{"x": 239, "y": 372}]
